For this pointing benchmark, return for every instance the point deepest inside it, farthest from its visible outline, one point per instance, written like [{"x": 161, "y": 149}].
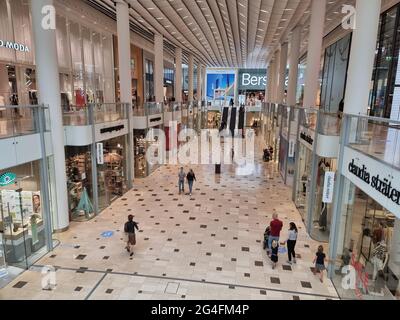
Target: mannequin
[
  {"x": 380, "y": 258},
  {"x": 323, "y": 218}
]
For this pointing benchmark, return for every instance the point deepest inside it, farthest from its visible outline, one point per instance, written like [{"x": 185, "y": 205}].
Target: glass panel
[
  {"x": 64, "y": 59},
  {"x": 112, "y": 174},
  {"x": 22, "y": 30},
  {"x": 21, "y": 216},
  {"x": 108, "y": 79},
  {"x": 369, "y": 241},
  {"x": 79, "y": 182},
  {"x": 6, "y": 32}
]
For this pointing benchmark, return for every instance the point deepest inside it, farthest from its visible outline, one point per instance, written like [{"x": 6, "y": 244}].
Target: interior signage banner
[
  {"x": 329, "y": 184},
  {"x": 252, "y": 79},
  {"x": 100, "y": 154},
  {"x": 378, "y": 180}
]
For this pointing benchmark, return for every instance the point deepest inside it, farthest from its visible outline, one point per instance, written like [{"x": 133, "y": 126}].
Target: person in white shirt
[{"x": 291, "y": 242}]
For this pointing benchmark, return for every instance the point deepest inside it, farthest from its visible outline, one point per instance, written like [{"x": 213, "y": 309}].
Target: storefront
[
  {"x": 385, "y": 94},
  {"x": 169, "y": 80},
  {"x": 84, "y": 53},
  {"x": 136, "y": 74},
  {"x": 316, "y": 164},
  {"x": 334, "y": 74},
  {"x": 366, "y": 239},
  {"x": 112, "y": 169},
  {"x": 78, "y": 165},
  {"x": 147, "y": 141},
  {"x": 21, "y": 221},
  {"x": 251, "y": 87}
]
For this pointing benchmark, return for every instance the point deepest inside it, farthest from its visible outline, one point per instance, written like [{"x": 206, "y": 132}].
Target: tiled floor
[{"x": 208, "y": 246}]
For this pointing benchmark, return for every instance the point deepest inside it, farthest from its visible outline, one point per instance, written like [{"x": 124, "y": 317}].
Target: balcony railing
[
  {"x": 376, "y": 137},
  {"x": 21, "y": 120},
  {"x": 102, "y": 113}
]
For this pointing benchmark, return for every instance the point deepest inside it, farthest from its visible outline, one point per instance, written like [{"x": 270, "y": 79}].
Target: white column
[
  {"x": 318, "y": 9},
  {"x": 293, "y": 65},
  {"x": 190, "y": 70},
  {"x": 178, "y": 75},
  {"x": 276, "y": 75},
  {"x": 203, "y": 83},
  {"x": 362, "y": 56},
  {"x": 269, "y": 81},
  {"x": 159, "y": 67},
  {"x": 124, "y": 70},
  {"x": 282, "y": 72},
  {"x": 124, "y": 52},
  {"x": 198, "y": 95},
  {"x": 48, "y": 82}
]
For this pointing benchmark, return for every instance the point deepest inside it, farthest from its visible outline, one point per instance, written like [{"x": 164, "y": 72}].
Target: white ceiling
[{"x": 226, "y": 33}]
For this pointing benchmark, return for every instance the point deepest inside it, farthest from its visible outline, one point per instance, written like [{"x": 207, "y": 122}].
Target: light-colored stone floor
[{"x": 208, "y": 246}]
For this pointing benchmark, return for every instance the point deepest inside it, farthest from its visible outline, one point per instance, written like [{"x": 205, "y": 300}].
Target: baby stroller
[
  {"x": 266, "y": 156},
  {"x": 267, "y": 233}
]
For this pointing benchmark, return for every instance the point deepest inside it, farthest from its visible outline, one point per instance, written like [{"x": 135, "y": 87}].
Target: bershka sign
[
  {"x": 378, "y": 180},
  {"x": 13, "y": 46},
  {"x": 252, "y": 79}
]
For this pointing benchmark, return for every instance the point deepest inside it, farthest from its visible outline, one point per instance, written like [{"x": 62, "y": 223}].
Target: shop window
[
  {"x": 21, "y": 216},
  {"x": 370, "y": 244},
  {"x": 112, "y": 174},
  {"x": 79, "y": 182}
]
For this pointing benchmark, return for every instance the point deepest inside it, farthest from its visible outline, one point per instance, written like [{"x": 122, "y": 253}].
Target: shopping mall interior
[{"x": 255, "y": 143}]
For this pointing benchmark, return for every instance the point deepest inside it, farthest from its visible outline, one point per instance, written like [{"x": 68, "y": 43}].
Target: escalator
[
  {"x": 232, "y": 125},
  {"x": 224, "y": 120}
]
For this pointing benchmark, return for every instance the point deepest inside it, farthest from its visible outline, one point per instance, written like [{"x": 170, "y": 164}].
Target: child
[
  {"x": 129, "y": 229},
  {"x": 274, "y": 253},
  {"x": 319, "y": 261},
  {"x": 267, "y": 232}
]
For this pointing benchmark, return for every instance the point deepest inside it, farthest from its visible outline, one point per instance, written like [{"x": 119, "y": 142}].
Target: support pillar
[
  {"x": 198, "y": 94},
  {"x": 282, "y": 73},
  {"x": 293, "y": 66},
  {"x": 48, "y": 82},
  {"x": 159, "y": 67},
  {"x": 125, "y": 81},
  {"x": 317, "y": 24},
  {"x": 178, "y": 75},
  {"x": 362, "y": 56},
  {"x": 190, "y": 71}
]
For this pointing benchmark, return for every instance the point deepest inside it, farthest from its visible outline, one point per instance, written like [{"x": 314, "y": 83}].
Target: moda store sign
[
  {"x": 13, "y": 46},
  {"x": 378, "y": 180}
]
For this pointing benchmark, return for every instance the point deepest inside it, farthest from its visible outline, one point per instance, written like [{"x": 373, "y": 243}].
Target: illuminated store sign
[
  {"x": 306, "y": 137},
  {"x": 379, "y": 181},
  {"x": 252, "y": 79},
  {"x": 13, "y": 46}
]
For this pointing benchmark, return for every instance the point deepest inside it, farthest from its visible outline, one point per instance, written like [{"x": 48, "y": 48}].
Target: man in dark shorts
[{"x": 129, "y": 229}]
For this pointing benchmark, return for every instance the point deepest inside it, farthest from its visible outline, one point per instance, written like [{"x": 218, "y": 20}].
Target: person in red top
[{"x": 276, "y": 227}]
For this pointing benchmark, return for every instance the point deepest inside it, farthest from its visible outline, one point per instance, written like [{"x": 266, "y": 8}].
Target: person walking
[
  {"x": 276, "y": 227},
  {"x": 129, "y": 229},
  {"x": 319, "y": 261},
  {"x": 181, "y": 180},
  {"x": 190, "y": 178},
  {"x": 291, "y": 242}
]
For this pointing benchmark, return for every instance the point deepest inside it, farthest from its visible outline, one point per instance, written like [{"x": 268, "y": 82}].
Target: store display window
[
  {"x": 213, "y": 119},
  {"x": 303, "y": 183},
  {"x": 369, "y": 243},
  {"x": 112, "y": 171},
  {"x": 322, "y": 210},
  {"x": 79, "y": 183},
  {"x": 140, "y": 153},
  {"x": 21, "y": 216}
]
